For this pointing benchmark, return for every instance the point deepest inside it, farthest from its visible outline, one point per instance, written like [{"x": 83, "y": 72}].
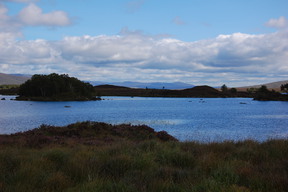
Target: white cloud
[
  {"x": 279, "y": 23},
  {"x": 11, "y": 25},
  {"x": 33, "y": 15}
]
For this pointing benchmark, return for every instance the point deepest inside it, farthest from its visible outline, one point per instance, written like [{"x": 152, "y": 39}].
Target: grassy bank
[{"x": 120, "y": 159}]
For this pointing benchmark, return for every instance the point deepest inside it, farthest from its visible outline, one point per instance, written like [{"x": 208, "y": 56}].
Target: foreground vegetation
[{"x": 93, "y": 156}]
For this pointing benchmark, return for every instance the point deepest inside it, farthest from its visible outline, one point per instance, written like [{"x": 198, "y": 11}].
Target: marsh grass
[{"x": 146, "y": 165}]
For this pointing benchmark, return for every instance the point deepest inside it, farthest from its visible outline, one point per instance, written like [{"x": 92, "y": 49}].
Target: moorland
[{"x": 91, "y": 156}]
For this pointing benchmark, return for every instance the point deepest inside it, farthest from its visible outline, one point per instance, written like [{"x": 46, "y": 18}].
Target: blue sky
[
  {"x": 187, "y": 20},
  {"x": 193, "y": 41}
]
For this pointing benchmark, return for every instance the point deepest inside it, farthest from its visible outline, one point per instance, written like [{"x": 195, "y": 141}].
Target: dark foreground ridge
[
  {"x": 92, "y": 156},
  {"x": 87, "y": 133}
]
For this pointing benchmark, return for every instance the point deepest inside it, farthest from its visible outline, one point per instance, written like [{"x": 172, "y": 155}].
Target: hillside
[
  {"x": 274, "y": 85},
  {"x": 7, "y": 79}
]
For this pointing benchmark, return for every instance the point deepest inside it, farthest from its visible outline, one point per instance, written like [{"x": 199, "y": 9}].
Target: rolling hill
[
  {"x": 274, "y": 85},
  {"x": 7, "y": 79}
]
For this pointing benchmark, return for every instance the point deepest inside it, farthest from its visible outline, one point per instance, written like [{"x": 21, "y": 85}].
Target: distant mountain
[
  {"x": 153, "y": 85},
  {"x": 8, "y": 79}
]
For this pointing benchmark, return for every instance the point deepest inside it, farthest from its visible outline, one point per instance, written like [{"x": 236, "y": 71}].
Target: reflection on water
[{"x": 205, "y": 120}]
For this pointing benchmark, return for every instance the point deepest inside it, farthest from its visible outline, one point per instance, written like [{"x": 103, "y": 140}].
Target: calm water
[{"x": 206, "y": 120}]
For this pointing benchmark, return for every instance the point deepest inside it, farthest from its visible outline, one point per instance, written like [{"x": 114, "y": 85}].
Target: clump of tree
[
  {"x": 55, "y": 87},
  {"x": 231, "y": 92},
  {"x": 284, "y": 88},
  {"x": 224, "y": 88},
  {"x": 252, "y": 90},
  {"x": 263, "y": 94}
]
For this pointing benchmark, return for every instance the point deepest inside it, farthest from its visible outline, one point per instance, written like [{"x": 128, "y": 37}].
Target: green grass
[{"x": 149, "y": 165}]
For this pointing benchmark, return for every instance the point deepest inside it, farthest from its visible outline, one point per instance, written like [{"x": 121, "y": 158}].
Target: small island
[{"x": 55, "y": 87}]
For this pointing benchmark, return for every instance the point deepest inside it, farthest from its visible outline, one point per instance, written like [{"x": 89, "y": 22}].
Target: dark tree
[
  {"x": 284, "y": 87},
  {"x": 224, "y": 88},
  {"x": 263, "y": 89},
  {"x": 263, "y": 94},
  {"x": 233, "y": 90},
  {"x": 56, "y": 87}
]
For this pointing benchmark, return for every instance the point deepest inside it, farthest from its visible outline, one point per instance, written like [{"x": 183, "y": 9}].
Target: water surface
[{"x": 206, "y": 120}]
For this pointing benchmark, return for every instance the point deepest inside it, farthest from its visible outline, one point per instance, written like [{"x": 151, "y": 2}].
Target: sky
[{"x": 209, "y": 42}]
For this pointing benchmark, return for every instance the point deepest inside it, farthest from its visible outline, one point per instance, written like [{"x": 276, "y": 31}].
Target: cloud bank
[{"x": 235, "y": 58}]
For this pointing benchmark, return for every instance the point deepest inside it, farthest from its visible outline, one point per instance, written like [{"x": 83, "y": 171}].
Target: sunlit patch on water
[{"x": 269, "y": 116}]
